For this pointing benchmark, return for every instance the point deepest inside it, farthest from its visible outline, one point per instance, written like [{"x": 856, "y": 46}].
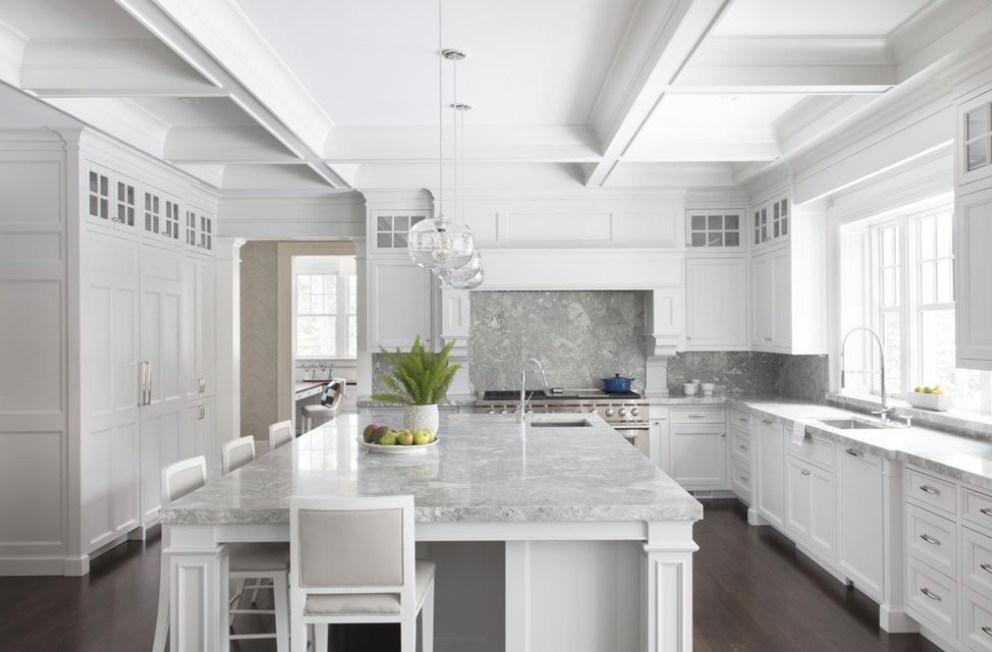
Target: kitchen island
[{"x": 553, "y": 537}]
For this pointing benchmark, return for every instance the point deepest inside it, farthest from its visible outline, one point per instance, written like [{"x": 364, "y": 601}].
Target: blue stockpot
[{"x": 617, "y": 385}]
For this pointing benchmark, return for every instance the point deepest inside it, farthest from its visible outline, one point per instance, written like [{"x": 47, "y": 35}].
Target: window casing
[{"x": 326, "y": 315}]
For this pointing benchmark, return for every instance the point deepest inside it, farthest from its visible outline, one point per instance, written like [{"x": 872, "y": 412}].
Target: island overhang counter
[{"x": 594, "y": 541}]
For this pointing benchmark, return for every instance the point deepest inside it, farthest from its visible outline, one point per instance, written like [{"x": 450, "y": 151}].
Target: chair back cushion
[
  {"x": 184, "y": 481},
  {"x": 240, "y": 452},
  {"x": 345, "y": 548},
  {"x": 280, "y": 433}
]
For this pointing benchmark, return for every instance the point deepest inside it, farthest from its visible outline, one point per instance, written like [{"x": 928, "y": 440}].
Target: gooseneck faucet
[
  {"x": 886, "y": 410},
  {"x": 523, "y": 385}
]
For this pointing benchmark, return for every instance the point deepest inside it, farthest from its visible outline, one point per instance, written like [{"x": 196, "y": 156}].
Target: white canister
[{"x": 419, "y": 417}]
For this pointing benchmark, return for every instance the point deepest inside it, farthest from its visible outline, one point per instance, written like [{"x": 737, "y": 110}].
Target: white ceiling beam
[
  {"x": 671, "y": 175},
  {"x": 120, "y": 118},
  {"x": 540, "y": 144},
  {"x": 938, "y": 32},
  {"x": 184, "y": 43},
  {"x": 225, "y": 145},
  {"x": 706, "y": 142},
  {"x": 660, "y": 39},
  {"x": 110, "y": 69}
]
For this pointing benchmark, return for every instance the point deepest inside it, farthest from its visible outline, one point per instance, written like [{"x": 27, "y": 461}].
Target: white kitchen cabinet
[
  {"x": 860, "y": 549},
  {"x": 699, "y": 456},
  {"x": 401, "y": 300},
  {"x": 716, "y": 304},
  {"x": 199, "y": 327},
  {"x": 810, "y": 512},
  {"x": 771, "y": 221},
  {"x": 973, "y": 269},
  {"x": 772, "y": 300},
  {"x": 715, "y": 230},
  {"x": 770, "y": 495},
  {"x": 974, "y": 141},
  {"x": 660, "y": 436}
]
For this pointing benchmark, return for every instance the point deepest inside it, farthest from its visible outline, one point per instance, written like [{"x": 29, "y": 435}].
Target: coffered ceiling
[{"x": 322, "y": 96}]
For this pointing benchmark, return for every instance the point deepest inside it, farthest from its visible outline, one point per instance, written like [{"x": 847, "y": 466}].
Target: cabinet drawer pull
[
  {"x": 930, "y": 594},
  {"x": 987, "y": 630},
  {"x": 744, "y": 448},
  {"x": 854, "y": 453},
  {"x": 929, "y": 539},
  {"x": 986, "y": 567},
  {"x": 767, "y": 422},
  {"x": 927, "y": 489},
  {"x": 742, "y": 419},
  {"x": 986, "y": 510},
  {"x": 697, "y": 416}
]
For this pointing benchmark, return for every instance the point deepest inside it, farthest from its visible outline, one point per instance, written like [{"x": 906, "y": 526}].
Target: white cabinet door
[
  {"x": 973, "y": 301},
  {"x": 198, "y": 328},
  {"x": 771, "y": 471},
  {"x": 781, "y": 299},
  {"x": 110, "y": 481},
  {"x": 401, "y": 303},
  {"x": 761, "y": 301},
  {"x": 797, "y": 500},
  {"x": 699, "y": 456},
  {"x": 859, "y": 541},
  {"x": 716, "y": 304},
  {"x": 823, "y": 512}
]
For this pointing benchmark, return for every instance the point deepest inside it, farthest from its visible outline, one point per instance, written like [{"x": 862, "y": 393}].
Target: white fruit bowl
[
  {"x": 936, "y": 402},
  {"x": 399, "y": 449}
]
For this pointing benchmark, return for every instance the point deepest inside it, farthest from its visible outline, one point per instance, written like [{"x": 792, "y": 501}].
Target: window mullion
[{"x": 909, "y": 319}]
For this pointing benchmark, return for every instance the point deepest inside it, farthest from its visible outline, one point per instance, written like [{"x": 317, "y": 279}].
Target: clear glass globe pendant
[
  {"x": 439, "y": 243},
  {"x": 467, "y": 277}
]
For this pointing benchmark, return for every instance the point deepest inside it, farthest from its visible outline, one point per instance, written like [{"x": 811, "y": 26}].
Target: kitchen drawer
[
  {"x": 932, "y": 598},
  {"x": 931, "y": 491},
  {"x": 739, "y": 419},
  {"x": 699, "y": 415},
  {"x": 976, "y": 507},
  {"x": 740, "y": 477},
  {"x": 741, "y": 445},
  {"x": 976, "y": 561},
  {"x": 976, "y": 621},
  {"x": 814, "y": 448},
  {"x": 932, "y": 539}
]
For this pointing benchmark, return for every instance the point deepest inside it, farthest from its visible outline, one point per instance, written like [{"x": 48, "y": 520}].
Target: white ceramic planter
[{"x": 418, "y": 417}]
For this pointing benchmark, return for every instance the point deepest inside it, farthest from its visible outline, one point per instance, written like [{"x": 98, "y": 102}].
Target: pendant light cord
[{"x": 440, "y": 116}]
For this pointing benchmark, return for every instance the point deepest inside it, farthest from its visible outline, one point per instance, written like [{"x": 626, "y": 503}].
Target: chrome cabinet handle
[
  {"x": 767, "y": 422},
  {"x": 930, "y": 594},
  {"x": 854, "y": 453},
  {"x": 145, "y": 382},
  {"x": 927, "y": 489},
  {"x": 929, "y": 539},
  {"x": 744, "y": 448},
  {"x": 742, "y": 419},
  {"x": 986, "y": 567},
  {"x": 697, "y": 416},
  {"x": 987, "y": 630},
  {"x": 986, "y": 510}
]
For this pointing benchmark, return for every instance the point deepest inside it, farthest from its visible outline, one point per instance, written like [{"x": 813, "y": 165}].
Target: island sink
[
  {"x": 575, "y": 423},
  {"x": 852, "y": 424}
]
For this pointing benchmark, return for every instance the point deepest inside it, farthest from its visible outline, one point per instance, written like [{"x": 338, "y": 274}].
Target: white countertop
[{"x": 485, "y": 468}]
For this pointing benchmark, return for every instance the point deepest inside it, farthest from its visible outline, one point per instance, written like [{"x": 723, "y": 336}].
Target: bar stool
[
  {"x": 279, "y": 434},
  {"x": 259, "y": 561},
  {"x": 236, "y": 453},
  {"x": 372, "y": 577},
  {"x": 324, "y": 412}
]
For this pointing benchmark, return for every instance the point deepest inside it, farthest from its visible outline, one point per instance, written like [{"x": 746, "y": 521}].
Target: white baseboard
[
  {"x": 21, "y": 566},
  {"x": 896, "y": 621},
  {"x": 76, "y": 566}
]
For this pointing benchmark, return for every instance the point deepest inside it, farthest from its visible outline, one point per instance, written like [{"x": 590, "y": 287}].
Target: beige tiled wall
[{"x": 258, "y": 338}]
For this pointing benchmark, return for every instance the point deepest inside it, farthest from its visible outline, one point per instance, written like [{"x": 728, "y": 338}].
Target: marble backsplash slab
[
  {"x": 739, "y": 373},
  {"x": 580, "y": 337}
]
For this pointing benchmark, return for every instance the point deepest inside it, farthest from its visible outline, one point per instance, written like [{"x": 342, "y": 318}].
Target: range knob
[
  {"x": 592, "y": 410},
  {"x": 633, "y": 412},
  {"x": 609, "y": 412},
  {"x": 622, "y": 412},
  {"x": 503, "y": 411},
  {"x": 492, "y": 409},
  {"x": 530, "y": 410}
]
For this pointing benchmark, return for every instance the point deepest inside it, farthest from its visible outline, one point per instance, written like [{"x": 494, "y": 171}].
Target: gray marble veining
[
  {"x": 741, "y": 373},
  {"x": 580, "y": 337},
  {"x": 484, "y": 469}
]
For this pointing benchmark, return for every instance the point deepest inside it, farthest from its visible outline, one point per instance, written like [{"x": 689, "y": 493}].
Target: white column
[
  {"x": 198, "y": 591},
  {"x": 227, "y": 286},
  {"x": 364, "y": 355},
  {"x": 892, "y": 612},
  {"x": 667, "y": 598}
]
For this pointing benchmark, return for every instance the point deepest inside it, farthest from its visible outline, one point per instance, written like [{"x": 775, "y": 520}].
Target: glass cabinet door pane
[
  {"x": 698, "y": 222},
  {"x": 977, "y": 122},
  {"x": 732, "y": 239},
  {"x": 978, "y": 154},
  {"x": 715, "y": 240},
  {"x": 698, "y": 239},
  {"x": 715, "y": 222},
  {"x": 384, "y": 223},
  {"x": 731, "y": 222}
]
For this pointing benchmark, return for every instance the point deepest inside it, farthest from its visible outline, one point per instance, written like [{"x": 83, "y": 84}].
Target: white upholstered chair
[
  {"x": 324, "y": 412},
  {"x": 235, "y": 454},
  {"x": 352, "y": 561},
  {"x": 257, "y": 561},
  {"x": 279, "y": 434}
]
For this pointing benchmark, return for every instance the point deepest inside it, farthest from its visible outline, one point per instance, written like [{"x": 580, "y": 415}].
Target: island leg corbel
[
  {"x": 667, "y": 595},
  {"x": 198, "y": 591}
]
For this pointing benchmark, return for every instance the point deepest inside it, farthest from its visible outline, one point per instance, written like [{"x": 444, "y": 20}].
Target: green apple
[
  {"x": 406, "y": 437},
  {"x": 421, "y": 438},
  {"x": 388, "y": 439},
  {"x": 369, "y": 433},
  {"x": 380, "y": 432}
]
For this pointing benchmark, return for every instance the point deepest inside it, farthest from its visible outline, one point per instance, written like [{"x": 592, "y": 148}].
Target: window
[
  {"x": 326, "y": 296},
  {"x": 909, "y": 299}
]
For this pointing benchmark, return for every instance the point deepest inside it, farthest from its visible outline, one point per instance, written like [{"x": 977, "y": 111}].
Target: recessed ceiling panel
[
  {"x": 70, "y": 20},
  {"x": 376, "y": 63},
  {"x": 816, "y": 17},
  {"x": 196, "y": 111}
]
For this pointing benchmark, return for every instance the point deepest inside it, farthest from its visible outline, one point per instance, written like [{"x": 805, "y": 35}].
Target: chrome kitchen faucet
[{"x": 523, "y": 385}]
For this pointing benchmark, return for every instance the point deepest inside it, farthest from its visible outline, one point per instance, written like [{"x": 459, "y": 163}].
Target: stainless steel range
[{"x": 627, "y": 413}]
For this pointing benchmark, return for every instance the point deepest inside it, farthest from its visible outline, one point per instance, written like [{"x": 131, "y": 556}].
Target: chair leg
[
  {"x": 427, "y": 622},
  {"x": 236, "y": 594},
  {"x": 320, "y": 637},
  {"x": 408, "y": 635},
  {"x": 162, "y": 621},
  {"x": 280, "y": 593}
]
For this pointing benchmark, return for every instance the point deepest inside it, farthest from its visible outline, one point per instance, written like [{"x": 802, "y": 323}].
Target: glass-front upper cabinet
[
  {"x": 392, "y": 230},
  {"x": 110, "y": 197},
  {"x": 715, "y": 230},
  {"x": 771, "y": 221},
  {"x": 975, "y": 139}
]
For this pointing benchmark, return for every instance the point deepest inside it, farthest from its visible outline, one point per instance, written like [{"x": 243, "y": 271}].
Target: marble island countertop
[
  {"x": 962, "y": 458},
  {"x": 485, "y": 468}
]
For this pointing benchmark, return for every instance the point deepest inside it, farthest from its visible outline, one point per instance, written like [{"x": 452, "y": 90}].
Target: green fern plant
[{"x": 419, "y": 377}]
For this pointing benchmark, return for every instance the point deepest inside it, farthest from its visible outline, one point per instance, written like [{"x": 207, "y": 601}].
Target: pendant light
[
  {"x": 439, "y": 243},
  {"x": 467, "y": 277}
]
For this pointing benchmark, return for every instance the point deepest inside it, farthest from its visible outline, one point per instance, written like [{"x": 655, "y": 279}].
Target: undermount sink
[
  {"x": 573, "y": 423},
  {"x": 852, "y": 424}
]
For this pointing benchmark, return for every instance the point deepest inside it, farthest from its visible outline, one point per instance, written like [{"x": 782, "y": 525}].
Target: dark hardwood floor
[{"x": 753, "y": 593}]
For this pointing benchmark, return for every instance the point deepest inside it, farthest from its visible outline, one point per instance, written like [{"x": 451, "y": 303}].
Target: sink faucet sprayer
[
  {"x": 523, "y": 385},
  {"x": 883, "y": 414}
]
